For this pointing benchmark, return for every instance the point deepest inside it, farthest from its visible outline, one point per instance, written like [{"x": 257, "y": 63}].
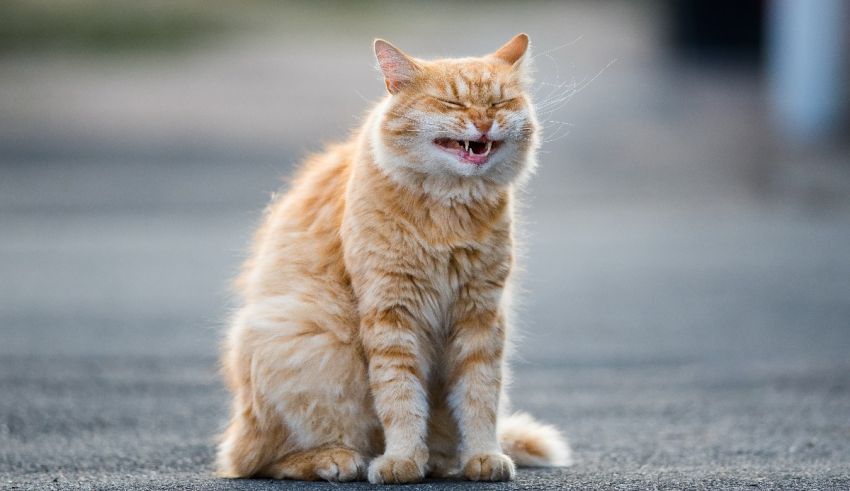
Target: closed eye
[
  {"x": 503, "y": 102},
  {"x": 450, "y": 103}
]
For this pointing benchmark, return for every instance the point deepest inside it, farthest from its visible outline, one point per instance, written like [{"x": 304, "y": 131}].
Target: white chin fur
[{"x": 450, "y": 164}]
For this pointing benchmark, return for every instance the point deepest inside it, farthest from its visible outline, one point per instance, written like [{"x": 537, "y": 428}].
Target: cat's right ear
[
  {"x": 398, "y": 68},
  {"x": 513, "y": 52}
]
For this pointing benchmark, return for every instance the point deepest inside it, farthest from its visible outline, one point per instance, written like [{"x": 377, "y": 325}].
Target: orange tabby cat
[{"x": 372, "y": 338}]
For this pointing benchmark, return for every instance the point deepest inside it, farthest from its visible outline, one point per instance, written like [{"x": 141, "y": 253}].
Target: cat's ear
[
  {"x": 513, "y": 52},
  {"x": 398, "y": 68}
]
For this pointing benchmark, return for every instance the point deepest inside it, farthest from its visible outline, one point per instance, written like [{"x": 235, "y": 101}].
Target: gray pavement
[
  {"x": 121, "y": 422},
  {"x": 685, "y": 315}
]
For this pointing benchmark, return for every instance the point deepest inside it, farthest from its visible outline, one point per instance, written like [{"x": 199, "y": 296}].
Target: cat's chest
[{"x": 454, "y": 274}]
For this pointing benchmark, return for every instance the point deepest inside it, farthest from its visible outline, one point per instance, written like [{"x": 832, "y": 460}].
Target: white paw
[
  {"x": 390, "y": 469},
  {"x": 341, "y": 465},
  {"x": 489, "y": 467}
]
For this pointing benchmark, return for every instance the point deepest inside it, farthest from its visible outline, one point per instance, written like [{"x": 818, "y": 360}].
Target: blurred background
[{"x": 686, "y": 306}]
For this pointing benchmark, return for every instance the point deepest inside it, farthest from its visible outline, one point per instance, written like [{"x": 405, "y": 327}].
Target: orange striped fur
[{"x": 370, "y": 343}]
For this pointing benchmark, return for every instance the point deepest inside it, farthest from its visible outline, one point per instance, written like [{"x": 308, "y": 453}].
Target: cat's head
[{"x": 467, "y": 117}]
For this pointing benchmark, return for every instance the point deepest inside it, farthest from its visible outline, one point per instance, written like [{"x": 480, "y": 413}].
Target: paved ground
[
  {"x": 147, "y": 422},
  {"x": 686, "y": 316}
]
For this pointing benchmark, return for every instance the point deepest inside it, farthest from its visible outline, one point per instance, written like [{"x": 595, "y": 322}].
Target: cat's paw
[
  {"x": 390, "y": 469},
  {"x": 489, "y": 467},
  {"x": 340, "y": 465}
]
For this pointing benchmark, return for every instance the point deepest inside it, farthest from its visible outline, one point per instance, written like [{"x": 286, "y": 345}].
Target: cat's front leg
[
  {"x": 475, "y": 383},
  {"x": 397, "y": 370}
]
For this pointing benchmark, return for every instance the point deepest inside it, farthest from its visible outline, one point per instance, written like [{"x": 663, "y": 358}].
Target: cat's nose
[{"x": 483, "y": 125}]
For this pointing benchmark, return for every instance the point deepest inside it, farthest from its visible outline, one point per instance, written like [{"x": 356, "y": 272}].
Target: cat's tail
[{"x": 531, "y": 443}]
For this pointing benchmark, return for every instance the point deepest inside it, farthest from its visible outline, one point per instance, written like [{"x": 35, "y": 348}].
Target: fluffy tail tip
[{"x": 533, "y": 444}]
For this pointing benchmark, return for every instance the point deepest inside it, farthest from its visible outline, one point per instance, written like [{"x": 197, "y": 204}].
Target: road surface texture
[{"x": 686, "y": 309}]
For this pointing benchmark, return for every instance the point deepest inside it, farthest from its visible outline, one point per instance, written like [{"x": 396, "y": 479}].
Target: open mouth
[{"x": 475, "y": 152}]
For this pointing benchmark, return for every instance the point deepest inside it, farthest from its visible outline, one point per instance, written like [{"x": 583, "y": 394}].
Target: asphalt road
[
  {"x": 124, "y": 422},
  {"x": 685, "y": 316}
]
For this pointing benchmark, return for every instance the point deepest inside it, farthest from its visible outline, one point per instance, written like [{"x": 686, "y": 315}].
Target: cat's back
[{"x": 299, "y": 236}]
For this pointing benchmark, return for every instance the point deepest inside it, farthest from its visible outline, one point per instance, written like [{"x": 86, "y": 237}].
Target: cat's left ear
[
  {"x": 517, "y": 54},
  {"x": 398, "y": 68}
]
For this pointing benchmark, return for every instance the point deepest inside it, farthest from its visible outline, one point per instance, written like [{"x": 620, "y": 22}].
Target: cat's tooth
[
  {"x": 466, "y": 145},
  {"x": 487, "y": 150}
]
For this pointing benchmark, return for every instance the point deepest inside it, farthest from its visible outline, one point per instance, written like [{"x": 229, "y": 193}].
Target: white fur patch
[
  {"x": 462, "y": 87},
  {"x": 520, "y": 432}
]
